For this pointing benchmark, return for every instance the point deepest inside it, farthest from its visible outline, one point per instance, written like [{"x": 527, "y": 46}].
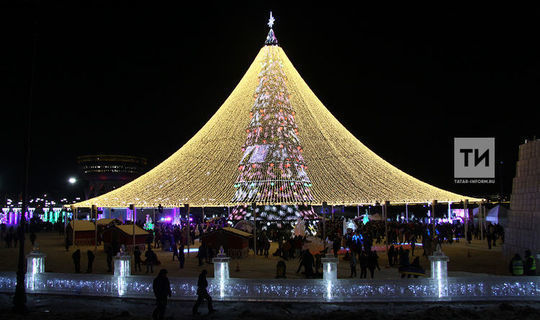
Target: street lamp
[{"x": 72, "y": 180}]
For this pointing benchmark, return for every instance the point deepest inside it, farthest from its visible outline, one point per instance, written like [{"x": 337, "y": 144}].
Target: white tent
[{"x": 497, "y": 214}]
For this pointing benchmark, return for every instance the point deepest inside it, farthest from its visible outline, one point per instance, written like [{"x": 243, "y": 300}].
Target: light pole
[
  {"x": 74, "y": 211},
  {"x": 19, "y": 299},
  {"x": 94, "y": 213},
  {"x": 254, "y": 214}
]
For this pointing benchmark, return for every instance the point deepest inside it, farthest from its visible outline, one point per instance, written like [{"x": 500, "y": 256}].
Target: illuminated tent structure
[
  {"x": 495, "y": 215},
  {"x": 223, "y": 160}
]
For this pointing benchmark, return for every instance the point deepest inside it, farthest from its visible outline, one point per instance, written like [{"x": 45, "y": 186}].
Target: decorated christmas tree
[
  {"x": 272, "y": 169},
  {"x": 148, "y": 225}
]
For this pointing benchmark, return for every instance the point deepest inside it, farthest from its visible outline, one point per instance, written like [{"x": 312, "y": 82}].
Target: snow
[{"x": 69, "y": 308}]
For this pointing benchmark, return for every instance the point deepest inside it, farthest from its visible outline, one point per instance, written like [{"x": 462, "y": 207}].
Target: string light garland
[{"x": 326, "y": 162}]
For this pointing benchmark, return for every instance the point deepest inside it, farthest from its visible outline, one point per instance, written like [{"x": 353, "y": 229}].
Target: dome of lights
[{"x": 273, "y": 142}]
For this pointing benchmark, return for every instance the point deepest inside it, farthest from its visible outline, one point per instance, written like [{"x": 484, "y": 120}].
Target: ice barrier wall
[{"x": 309, "y": 290}]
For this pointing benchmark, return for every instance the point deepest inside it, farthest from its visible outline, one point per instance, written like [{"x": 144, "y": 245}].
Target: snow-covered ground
[{"x": 64, "y": 307}]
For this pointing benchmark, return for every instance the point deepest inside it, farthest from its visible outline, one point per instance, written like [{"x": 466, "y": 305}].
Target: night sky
[{"x": 404, "y": 80}]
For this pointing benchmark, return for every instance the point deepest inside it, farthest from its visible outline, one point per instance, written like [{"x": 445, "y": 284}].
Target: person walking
[
  {"x": 109, "y": 253},
  {"x": 516, "y": 265},
  {"x": 353, "y": 265},
  {"x": 469, "y": 235},
  {"x": 266, "y": 244},
  {"x": 529, "y": 264},
  {"x": 137, "y": 257},
  {"x": 32, "y": 238},
  {"x": 67, "y": 244},
  {"x": 202, "y": 294},
  {"x": 181, "y": 256},
  {"x": 201, "y": 254},
  {"x": 336, "y": 245},
  {"x": 412, "y": 241},
  {"x": 174, "y": 248},
  {"x": 373, "y": 262},
  {"x": 308, "y": 262},
  {"x": 363, "y": 264},
  {"x": 391, "y": 256},
  {"x": 15, "y": 237},
  {"x": 397, "y": 252},
  {"x": 150, "y": 256},
  {"x": 76, "y": 256},
  {"x": 91, "y": 256},
  {"x": 403, "y": 262},
  {"x": 162, "y": 290}
]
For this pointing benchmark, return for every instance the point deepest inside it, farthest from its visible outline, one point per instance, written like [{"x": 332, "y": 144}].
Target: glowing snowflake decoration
[{"x": 271, "y": 20}]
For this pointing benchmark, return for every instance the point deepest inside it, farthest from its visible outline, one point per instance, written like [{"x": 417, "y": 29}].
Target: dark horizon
[{"x": 405, "y": 81}]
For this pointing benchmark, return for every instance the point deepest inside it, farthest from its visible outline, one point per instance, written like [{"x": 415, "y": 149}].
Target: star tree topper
[{"x": 271, "y": 20}]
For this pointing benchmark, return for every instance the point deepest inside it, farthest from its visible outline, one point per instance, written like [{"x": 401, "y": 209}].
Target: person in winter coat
[
  {"x": 373, "y": 262},
  {"x": 91, "y": 256},
  {"x": 363, "y": 265},
  {"x": 137, "y": 256},
  {"x": 353, "y": 265},
  {"x": 202, "y": 294},
  {"x": 308, "y": 262},
  {"x": 109, "y": 252},
  {"x": 32, "y": 238},
  {"x": 415, "y": 269},
  {"x": 336, "y": 245},
  {"x": 529, "y": 264},
  {"x": 174, "y": 248},
  {"x": 403, "y": 262},
  {"x": 181, "y": 256},
  {"x": 76, "y": 256},
  {"x": 391, "y": 256},
  {"x": 201, "y": 254},
  {"x": 516, "y": 265},
  {"x": 150, "y": 260},
  {"x": 162, "y": 290}
]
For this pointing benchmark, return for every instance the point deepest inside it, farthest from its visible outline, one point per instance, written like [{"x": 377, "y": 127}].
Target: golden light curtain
[{"x": 342, "y": 170}]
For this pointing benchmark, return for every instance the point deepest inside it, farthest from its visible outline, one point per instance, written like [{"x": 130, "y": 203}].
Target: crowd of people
[{"x": 355, "y": 244}]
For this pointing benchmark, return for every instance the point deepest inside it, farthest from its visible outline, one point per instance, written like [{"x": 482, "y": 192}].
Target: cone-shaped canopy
[{"x": 205, "y": 171}]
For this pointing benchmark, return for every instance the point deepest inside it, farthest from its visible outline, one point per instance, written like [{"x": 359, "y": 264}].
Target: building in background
[{"x": 104, "y": 173}]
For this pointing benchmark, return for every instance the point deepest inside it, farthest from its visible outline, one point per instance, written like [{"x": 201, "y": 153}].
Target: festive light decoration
[
  {"x": 271, "y": 20},
  {"x": 177, "y": 218},
  {"x": 4, "y": 216},
  {"x": 148, "y": 225},
  {"x": 365, "y": 219},
  {"x": 12, "y": 216},
  {"x": 221, "y": 270},
  {"x": 272, "y": 169},
  {"x": 272, "y": 213},
  {"x": 439, "y": 271},
  {"x": 206, "y": 170},
  {"x": 35, "y": 265}
]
